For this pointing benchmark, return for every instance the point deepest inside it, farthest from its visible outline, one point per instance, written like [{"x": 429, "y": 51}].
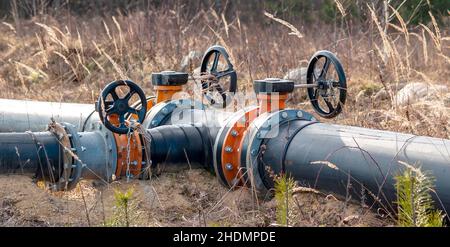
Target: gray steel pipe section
[
  {"x": 23, "y": 115},
  {"x": 37, "y": 154},
  {"x": 365, "y": 159},
  {"x": 184, "y": 137},
  {"x": 98, "y": 155},
  {"x": 175, "y": 147},
  {"x": 41, "y": 154}
]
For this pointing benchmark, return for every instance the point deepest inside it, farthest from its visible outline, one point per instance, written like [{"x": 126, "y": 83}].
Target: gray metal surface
[
  {"x": 179, "y": 147},
  {"x": 364, "y": 162},
  {"x": 185, "y": 111},
  {"x": 161, "y": 113},
  {"x": 98, "y": 155},
  {"x": 23, "y": 115},
  {"x": 94, "y": 155},
  {"x": 36, "y": 154}
]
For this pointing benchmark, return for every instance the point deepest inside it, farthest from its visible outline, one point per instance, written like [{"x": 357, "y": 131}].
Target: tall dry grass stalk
[
  {"x": 294, "y": 30},
  {"x": 340, "y": 8},
  {"x": 70, "y": 59}
]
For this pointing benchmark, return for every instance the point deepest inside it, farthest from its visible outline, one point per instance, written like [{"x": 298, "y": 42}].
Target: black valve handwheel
[
  {"x": 215, "y": 80},
  {"x": 114, "y": 110},
  {"x": 326, "y": 83}
]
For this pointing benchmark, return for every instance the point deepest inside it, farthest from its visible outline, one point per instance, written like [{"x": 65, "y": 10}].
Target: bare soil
[{"x": 187, "y": 198}]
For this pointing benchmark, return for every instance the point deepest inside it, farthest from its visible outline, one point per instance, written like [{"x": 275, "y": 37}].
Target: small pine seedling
[
  {"x": 284, "y": 187},
  {"x": 414, "y": 201},
  {"x": 121, "y": 215}
]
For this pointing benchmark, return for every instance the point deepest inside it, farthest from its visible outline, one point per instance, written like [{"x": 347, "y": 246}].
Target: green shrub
[
  {"x": 284, "y": 187},
  {"x": 124, "y": 210},
  {"x": 414, "y": 201}
]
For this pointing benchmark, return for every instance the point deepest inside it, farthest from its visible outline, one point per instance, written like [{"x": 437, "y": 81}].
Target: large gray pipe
[
  {"x": 93, "y": 155},
  {"x": 37, "y": 154},
  {"x": 23, "y": 115},
  {"x": 176, "y": 147},
  {"x": 366, "y": 160}
]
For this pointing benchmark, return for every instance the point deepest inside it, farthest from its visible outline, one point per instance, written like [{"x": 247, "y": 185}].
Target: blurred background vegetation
[
  {"x": 68, "y": 50},
  {"x": 305, "y": 11}
]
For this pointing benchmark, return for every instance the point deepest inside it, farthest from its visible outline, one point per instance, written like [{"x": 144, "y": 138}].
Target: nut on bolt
[
  {"x": 229, "y": 166},
  {"x": 234, "y": 133}
]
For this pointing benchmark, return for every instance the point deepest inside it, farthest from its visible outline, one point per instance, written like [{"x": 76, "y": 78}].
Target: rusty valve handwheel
[
  {"x": 218, "y": 80},
  {"x": 113, "y": 113}
]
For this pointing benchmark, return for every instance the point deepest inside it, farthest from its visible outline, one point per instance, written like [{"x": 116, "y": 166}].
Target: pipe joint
[
  {"x": 162, "y": 112},
  {"x": 228, "y": 146},
  {"x": 267, "y": 127}
]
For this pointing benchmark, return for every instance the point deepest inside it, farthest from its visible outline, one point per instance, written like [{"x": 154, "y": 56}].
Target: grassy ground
[{"x": 70, "y": 59}]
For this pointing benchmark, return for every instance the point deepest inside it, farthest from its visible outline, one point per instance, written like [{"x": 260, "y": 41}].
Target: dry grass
[{"x": 71, "y": 59}]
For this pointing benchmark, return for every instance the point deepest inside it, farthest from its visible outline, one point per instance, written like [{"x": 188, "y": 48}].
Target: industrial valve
[
  {"x": 219, "y": 80},
  {"x": 237, "y": 145},
  {"x": 113, "y": 109},
  {"x": 118, "y": 114},
  {"x": 168, "y": 83},
  {"x": 242, "y": 148},
  {"x": 326, "y": 84}
]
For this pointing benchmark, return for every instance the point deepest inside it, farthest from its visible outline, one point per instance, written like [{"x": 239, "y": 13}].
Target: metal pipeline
[
  {"x": 61, "y": 156},
  {"x": 174, "y": 147},
  {"x": 349, "y": 161},
  {"x": 97, "y": 155},
  {"x": 251, "y": 144},
  {"x": 362, "y": 162},
  {"x": 290, "y": 141},
  {"x": 38, "y": 154},
  {"x": 24, "y": 115}
]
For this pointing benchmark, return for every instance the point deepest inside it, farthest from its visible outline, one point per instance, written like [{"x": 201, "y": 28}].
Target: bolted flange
[
  {"x": 69, "y": 139},
  {"x": 262, "y": 128},
  {"x": 227, "y": 148},
  {"x": 161, "y": 113}
]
